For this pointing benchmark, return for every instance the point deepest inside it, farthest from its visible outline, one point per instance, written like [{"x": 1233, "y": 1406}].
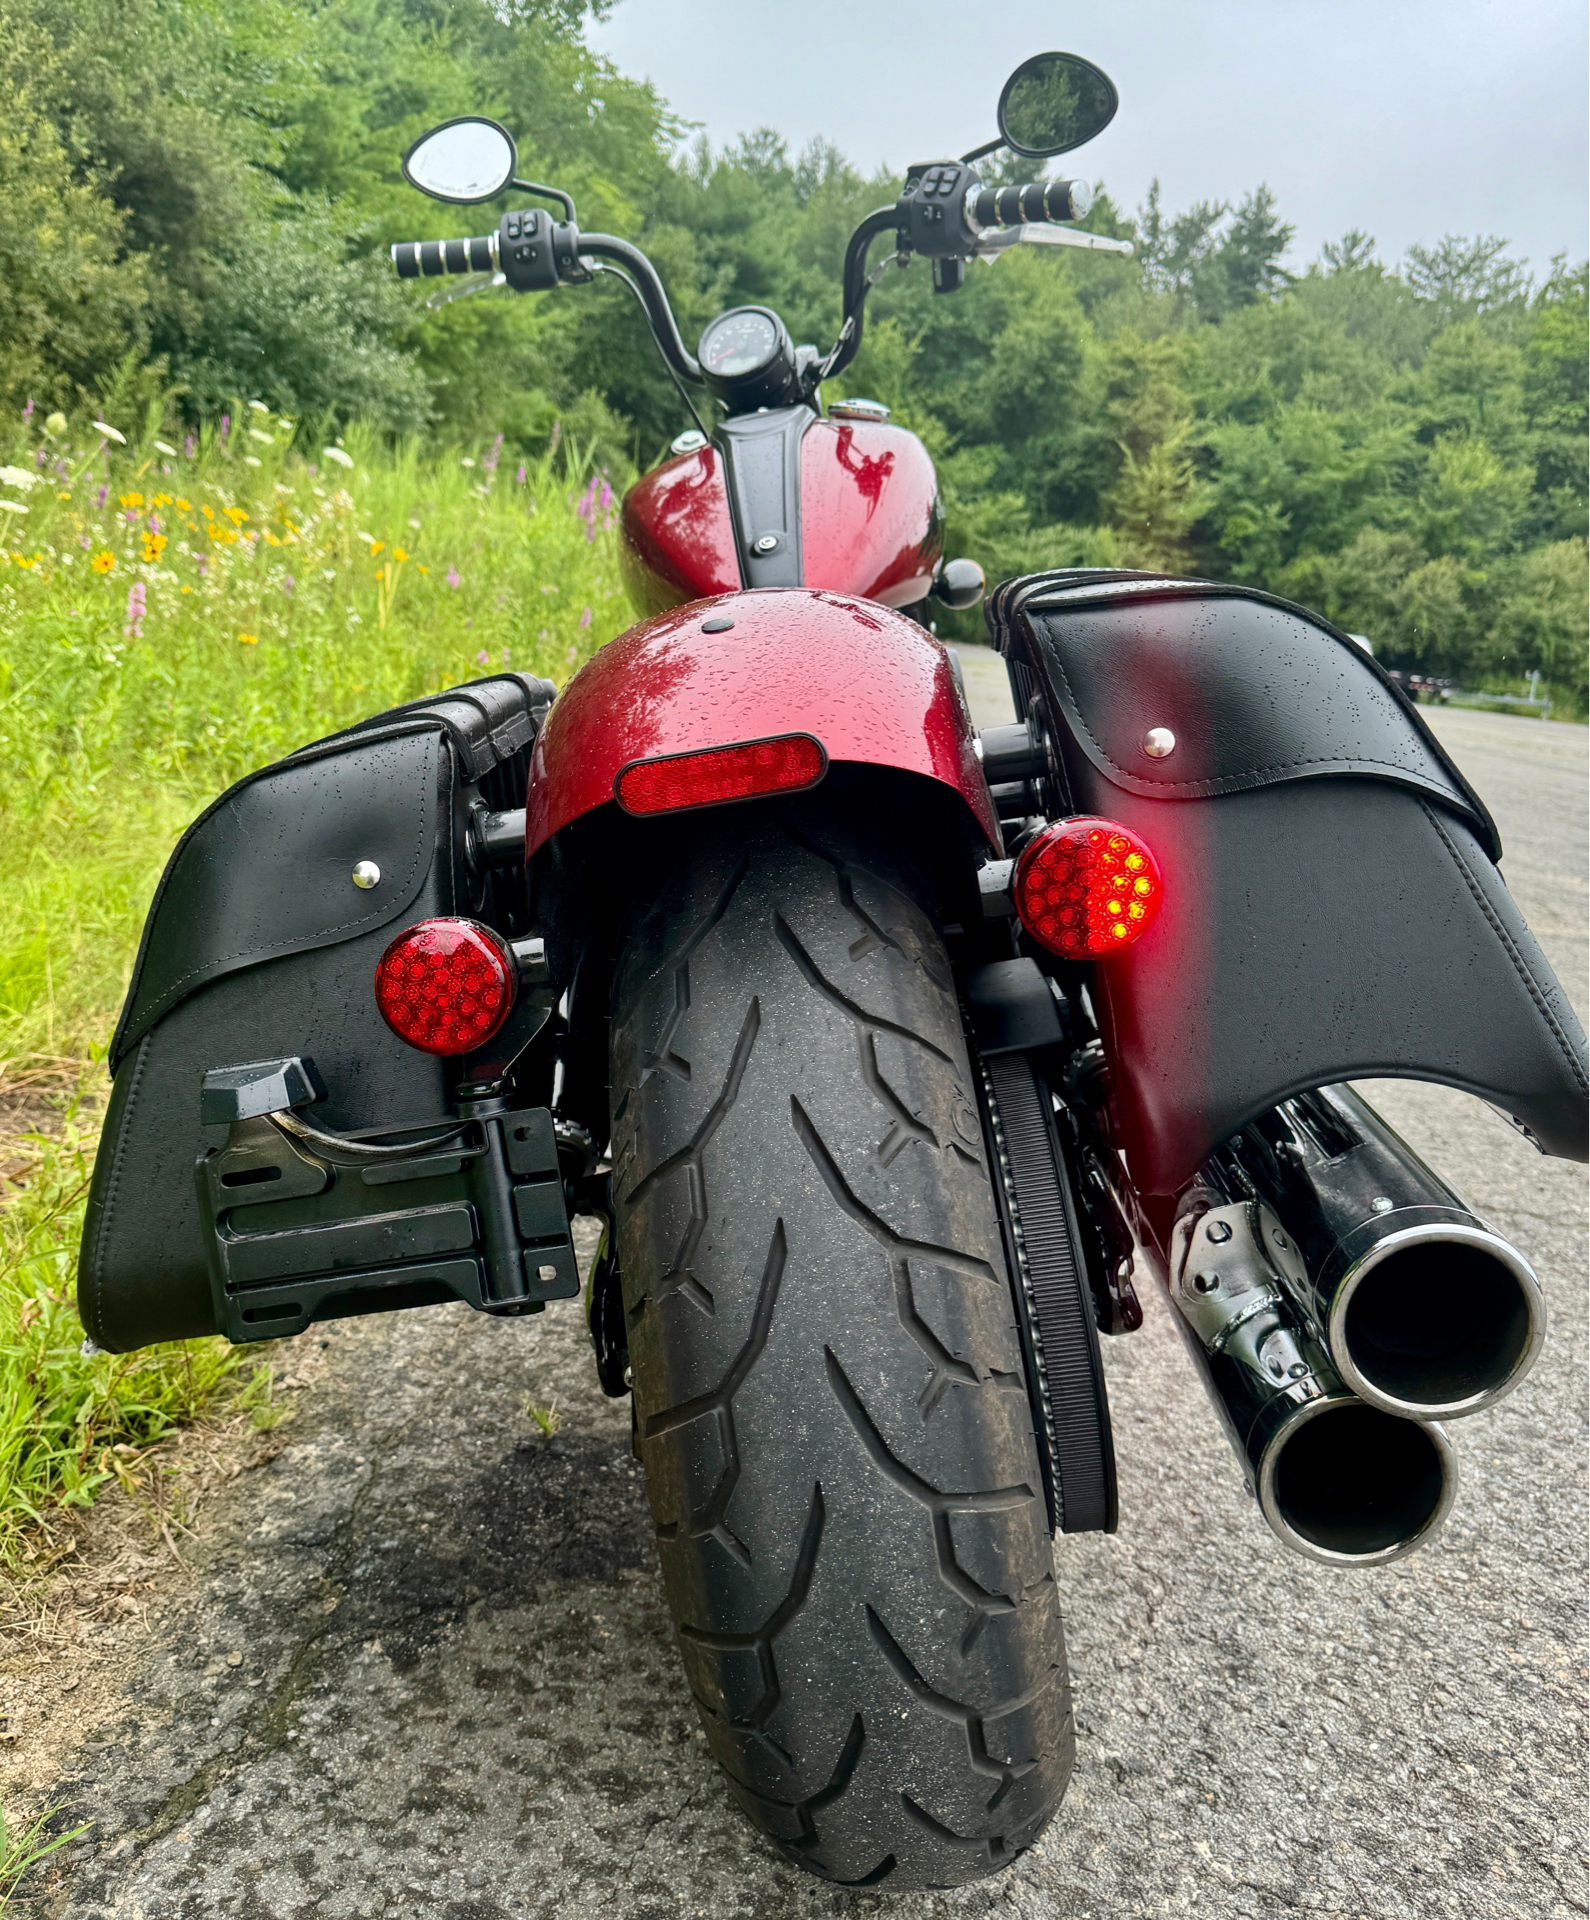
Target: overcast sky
[{"x": 1408, "y": 118}]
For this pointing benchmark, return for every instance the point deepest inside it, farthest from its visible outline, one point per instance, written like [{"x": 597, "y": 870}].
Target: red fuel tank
[{"x": 870, "y": 520}]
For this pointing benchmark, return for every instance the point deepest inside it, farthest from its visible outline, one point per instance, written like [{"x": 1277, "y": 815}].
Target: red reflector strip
[
  {"x": 719, "y": 774},
  {"x": 1087, "y": 888}
]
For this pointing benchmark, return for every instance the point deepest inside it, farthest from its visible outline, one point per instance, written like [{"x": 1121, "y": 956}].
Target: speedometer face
[{"x": 738, "y": 343}]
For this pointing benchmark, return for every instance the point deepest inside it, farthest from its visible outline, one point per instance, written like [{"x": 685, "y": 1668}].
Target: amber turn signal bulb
[{"x": 1087, "y": 888}]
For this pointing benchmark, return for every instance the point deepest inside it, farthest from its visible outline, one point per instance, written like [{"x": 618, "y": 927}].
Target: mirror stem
[
  {"x": 977, "y": 153},
  {"x": 547, "y": 193}
]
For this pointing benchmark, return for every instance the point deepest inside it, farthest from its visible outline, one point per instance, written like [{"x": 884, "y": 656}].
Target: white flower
[
  {"x": 416, "y": 526},
  {"x": 368, "y": 539},
  {"x": 18, "y": 477},
  {"x": 110, "y": 433},
  {"x": 249, "y": 460},
  {"x": 286, "y": 425},
  {"x": 466, "y": 461},
  {"x": 259, "y": 406},
  {"x": 12, "y": 506},
  {"x": 161, "y": 447},
  {"x": 336, "y": 453},
  {"x": 264, "y": 439}
]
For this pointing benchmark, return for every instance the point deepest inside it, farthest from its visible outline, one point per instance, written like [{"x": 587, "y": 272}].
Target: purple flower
[
  {"x": 226, "y": 425},
  {"x": 489, "y": 460},
  {"x": 557, "y": 435},
  {"x": 131, "y": 516},
  {"x": 135, "y": 610},
  {"x": 452, "y": 578},
  {"x": 187, "y": 447},
  {"x": 27, "y": 411},
  {"x": 483, "y": 659},
  {"x": 313, "y": 470},
  {"x": 521, "y": 476},
  {"x": 154, "y": 523},
  {"x": 84, "y": 542},
  {"x": 38, "y": 460},
  {"x": 585, "y": 618},
  {"x": 287, "y": 583},
  {"x": 103, "y": 495}
]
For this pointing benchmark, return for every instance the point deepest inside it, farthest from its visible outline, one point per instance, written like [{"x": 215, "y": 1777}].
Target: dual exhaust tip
[{"x": 1340, "y": 1300}]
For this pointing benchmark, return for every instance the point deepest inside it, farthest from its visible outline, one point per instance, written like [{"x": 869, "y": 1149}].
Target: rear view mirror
[
  {"x": 1054, "y": 102},
  {"x": 463, "y": 161}
]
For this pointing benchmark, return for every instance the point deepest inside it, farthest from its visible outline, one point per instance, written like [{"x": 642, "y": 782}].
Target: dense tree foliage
[{"x": 195, "y": 203}]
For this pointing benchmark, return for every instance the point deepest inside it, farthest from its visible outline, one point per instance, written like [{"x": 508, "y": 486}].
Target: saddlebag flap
[
  {"x": 259, "y": 945},
  {"x": 1333, "y": 908}
]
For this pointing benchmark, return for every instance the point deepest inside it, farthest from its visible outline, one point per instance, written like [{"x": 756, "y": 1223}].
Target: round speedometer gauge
[{"x": 738, "y": 343}]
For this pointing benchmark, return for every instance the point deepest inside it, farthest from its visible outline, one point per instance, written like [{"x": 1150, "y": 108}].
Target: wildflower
[
  {"x": 466, "y": 461},
  {"x": 208, "y": 512},
  {"x": 336, "y": 453},
  {"x": 187, "y": 589},
  {"x": 135, "y": 610},
  {"x": 557, "y": 435},
  {"x": 415, "y": 525},
  {"x": 483, "y": 659},
  {"x": 424, "y": 569},
  {"x": 27, "y": 411},
  {"x": 181, "y": 505},
  {"x": 187, "y": 447},
  {"x": 491, "y": 459},
  {"x": 235, "y": 514},
  {"x": 226, "y": 427},
  {"x": 520, "y": 476},
  {"x": 161, "y": 447},
  {"x": 249, "y": 460},
  {"x": 12, "y": 506},
  {"x": 110, "y": 433},
  {"x": 288, "y": 583},
  {"x": 18, "y": 477},
  {"x": 84, "y": 542},
  {"x": 286, "y": 425},
  {"x": 248, "y": 639},
  {"x": 154, "y": 546},
  {"x": 452, "y": 578},
  {"x": 99, "y": 498},
  {"x": 270, "y": 538},
  {"x": 55, "y": 426},
  {"x": 63, "y": 496},
  {"x": 399, "y": 553},
  {"x": 258, "y": 406},
  {"x": 131, "y": 516},
  {"x": 38, "y": 460},
  {"x": 103, "y": 562},
  {"x": 264, "y": 439},
  {"x": 377, "y": 546},
  {"x": 130, "y": 499},
  {"x": 585, "y": 618}
]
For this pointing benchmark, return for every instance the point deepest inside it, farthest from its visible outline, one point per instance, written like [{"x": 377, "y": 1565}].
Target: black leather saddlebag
[
  {"x": 259, "y": 945},
  {"x": 1333, "y": 908}
]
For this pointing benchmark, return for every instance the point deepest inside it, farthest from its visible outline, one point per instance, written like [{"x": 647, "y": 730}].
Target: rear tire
[{"x": 831, "y": 1406}]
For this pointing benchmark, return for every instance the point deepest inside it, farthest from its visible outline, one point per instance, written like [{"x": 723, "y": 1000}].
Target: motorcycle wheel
[{"x": 830, "y": 1402}]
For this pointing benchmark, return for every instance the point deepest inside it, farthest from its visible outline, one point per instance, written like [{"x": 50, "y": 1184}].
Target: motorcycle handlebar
[
  {"x": 412, "y": 258},
  {"x": 1031, "y": 202}
]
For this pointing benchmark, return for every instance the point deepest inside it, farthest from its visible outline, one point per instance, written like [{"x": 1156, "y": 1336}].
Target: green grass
[{"x": 172, "y": 615}]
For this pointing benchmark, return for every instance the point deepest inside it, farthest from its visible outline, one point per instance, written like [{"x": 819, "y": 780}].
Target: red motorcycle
[{"x": 885, "y": 1052}]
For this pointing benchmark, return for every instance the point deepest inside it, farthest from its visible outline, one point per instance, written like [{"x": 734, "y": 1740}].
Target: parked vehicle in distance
[{"x": 891, "y": 1056}]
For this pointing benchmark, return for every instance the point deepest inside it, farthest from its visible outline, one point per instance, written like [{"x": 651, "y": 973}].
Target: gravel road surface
[{"x": 423, "y": 1666}]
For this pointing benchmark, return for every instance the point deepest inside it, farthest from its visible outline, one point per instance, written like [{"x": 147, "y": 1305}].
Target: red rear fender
[{"x": 872, "y": 686}]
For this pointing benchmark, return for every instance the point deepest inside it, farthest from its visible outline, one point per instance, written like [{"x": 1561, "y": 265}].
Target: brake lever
[
  {"x": 477, "y": 283},
  {"x": 991, "y": 245}
]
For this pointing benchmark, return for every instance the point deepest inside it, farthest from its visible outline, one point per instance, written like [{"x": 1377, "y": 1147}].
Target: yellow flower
[
  {"x": 271, "y": 538},
  {"x": 154, "y": 546},
  {"x": 187, "y": 589},
  {"x": 248, "y": 639},
  {"x": 377, "y": 546},
  {"x": 161, "y": 500},
  {"x": 63, "y": 496},
  {"x": 208, "y": 512},
  {"x": 399, "y": 554},
  {"x": 229, "y": 536},
  {"x": 103, "y": 562},
  {"x": 236, "y": 515},
  {"x": 131, "y": 499},
  {"x": 183, "y": 506},
  {"x": 423, "y": 569}
]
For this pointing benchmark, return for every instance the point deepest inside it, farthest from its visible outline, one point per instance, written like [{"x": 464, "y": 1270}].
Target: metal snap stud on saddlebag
[
  {"x": 367, "y": 874},
  {"x": 1158, "y": 742}
]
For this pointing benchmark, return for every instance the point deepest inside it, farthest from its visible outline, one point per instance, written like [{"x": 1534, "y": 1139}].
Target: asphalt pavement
[{"x": 424, "y": 1667}]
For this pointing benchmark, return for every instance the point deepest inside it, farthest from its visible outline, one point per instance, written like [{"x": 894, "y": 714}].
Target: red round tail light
[
  {"x": 1086, "y": 888},
  {"x": 445, "y": 986}
]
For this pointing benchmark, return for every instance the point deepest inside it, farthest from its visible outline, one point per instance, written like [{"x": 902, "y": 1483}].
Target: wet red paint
[
  {"x": 870, "y": 685},
  {"x": 870, "y": 521},
  {"x": 676, "y": 540}
]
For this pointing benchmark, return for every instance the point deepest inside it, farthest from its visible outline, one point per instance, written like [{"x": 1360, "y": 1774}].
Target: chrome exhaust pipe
[
  {"x": 1424, "y": 1310},
  {"x": 1336, "y": 1479}
]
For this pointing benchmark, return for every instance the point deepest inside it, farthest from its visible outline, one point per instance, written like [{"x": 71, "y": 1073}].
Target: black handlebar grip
[
  {"x": 412, "y": 258},
  {"x": 1015, "y": 206}
]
